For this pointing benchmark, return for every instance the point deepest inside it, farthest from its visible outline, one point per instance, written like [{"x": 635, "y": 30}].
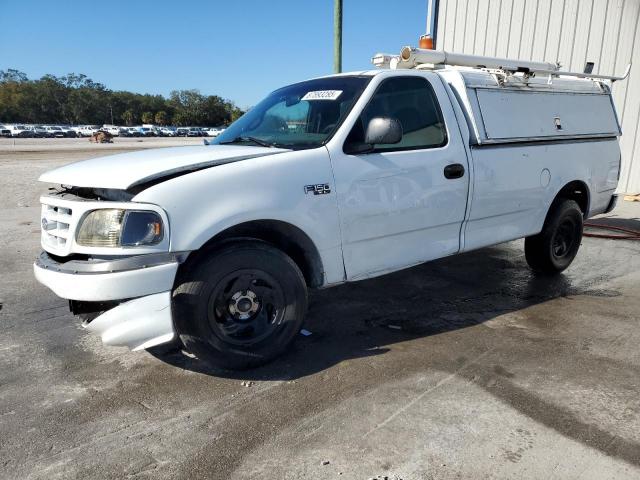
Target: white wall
[{"x": 571, "y": 32}]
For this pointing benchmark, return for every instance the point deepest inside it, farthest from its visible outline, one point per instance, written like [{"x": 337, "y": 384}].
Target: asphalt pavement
[{"x": 467, "y": 367}]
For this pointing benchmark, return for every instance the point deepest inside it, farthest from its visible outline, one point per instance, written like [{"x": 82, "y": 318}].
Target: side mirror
[
  {"x": 385, "y": 130},
  {"x": 380, "y": 130}
]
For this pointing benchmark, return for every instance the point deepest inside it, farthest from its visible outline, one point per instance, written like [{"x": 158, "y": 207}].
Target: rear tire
[
  {"x": 239, "y": 306},
  {"x": 554, "y": 248}
]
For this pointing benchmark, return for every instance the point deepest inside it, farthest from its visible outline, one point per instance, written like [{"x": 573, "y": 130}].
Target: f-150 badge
[{"x": 317, "y": 189}]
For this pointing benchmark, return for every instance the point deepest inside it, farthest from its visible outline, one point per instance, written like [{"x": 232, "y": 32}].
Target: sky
[{"x": 237, "y": 49}]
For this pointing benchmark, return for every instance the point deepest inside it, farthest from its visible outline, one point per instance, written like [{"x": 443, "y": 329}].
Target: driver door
[{"x": 398, "y": 205}]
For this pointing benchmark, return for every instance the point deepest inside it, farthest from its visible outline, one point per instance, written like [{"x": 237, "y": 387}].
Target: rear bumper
[
  {"x": 99, "y": 281},
  {"x": 612, "y": 204}
]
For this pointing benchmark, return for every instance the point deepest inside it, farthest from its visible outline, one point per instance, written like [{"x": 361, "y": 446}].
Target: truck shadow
[{"x": 361, "y": 319}]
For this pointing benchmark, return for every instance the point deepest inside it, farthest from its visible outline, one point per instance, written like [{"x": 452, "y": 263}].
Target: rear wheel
[
  {"x": 555, "y": 247},
  {"x": 240, "y": 306}
]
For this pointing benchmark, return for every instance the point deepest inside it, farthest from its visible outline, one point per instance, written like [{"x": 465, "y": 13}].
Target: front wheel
[
  {"x": 555, "y": 247},
  {"x": 241, "y": 305}
]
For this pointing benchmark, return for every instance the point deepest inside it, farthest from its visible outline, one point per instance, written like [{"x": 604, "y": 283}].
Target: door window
[{"x": 410, "y": 100}]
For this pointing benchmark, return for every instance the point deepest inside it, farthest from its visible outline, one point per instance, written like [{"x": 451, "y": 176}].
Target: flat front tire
[
  {"x": 239, "y": 306},
  {"x": 555, "y": 247}
]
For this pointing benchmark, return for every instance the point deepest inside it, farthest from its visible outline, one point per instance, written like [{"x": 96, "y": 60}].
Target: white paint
[
  {"x": 204, "y": 203},
  {"x": 124, "y": 170},
  {"x": 98, "y": 287},
  {"x": 397, "y": 208},
  {"x": 545, "y": 115}
]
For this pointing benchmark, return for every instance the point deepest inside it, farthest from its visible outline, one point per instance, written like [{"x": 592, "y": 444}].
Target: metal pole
[
  {"x": 337, "y": 36},
  {"x": 435, "y": 12},
  {"x": 430, "y": 18}
]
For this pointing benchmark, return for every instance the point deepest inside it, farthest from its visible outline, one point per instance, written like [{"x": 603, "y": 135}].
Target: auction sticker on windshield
[{"x": 322, "y": 95}]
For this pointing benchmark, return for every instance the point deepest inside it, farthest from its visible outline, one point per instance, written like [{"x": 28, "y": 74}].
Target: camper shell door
[{"x": 533, "y": 110}]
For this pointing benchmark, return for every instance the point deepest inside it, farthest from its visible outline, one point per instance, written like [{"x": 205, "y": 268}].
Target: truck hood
[{"x": 125, "y": 170}]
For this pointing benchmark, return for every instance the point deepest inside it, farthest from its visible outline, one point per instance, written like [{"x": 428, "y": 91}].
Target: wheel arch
[
  {"x": 578, "y": 191},
  {"x": 283, "y": 235}
]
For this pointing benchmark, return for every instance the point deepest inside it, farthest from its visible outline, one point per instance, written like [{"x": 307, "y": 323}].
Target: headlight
[{"x": 120, "y": 228}]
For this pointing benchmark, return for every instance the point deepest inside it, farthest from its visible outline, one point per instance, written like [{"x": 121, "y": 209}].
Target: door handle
[{"x": 455, "y": 170}]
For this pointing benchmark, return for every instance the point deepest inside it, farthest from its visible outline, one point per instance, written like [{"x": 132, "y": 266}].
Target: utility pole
[{"x": 337, "y": 36}]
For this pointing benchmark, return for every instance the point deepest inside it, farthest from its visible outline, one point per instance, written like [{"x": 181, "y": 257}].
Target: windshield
[{"x": 303, "y": 115}]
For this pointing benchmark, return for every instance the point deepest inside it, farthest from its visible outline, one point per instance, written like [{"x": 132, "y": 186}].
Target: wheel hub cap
[{"x": 244, "y": 304}]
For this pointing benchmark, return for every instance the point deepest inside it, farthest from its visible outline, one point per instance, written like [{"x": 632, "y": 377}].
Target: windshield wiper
[{"x": 255, "y": 140}]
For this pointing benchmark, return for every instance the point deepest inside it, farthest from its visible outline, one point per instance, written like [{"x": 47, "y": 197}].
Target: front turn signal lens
[{"x": 141, "y": 228}]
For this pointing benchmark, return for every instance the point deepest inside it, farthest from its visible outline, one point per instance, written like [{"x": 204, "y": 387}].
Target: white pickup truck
[{"x": 326, "y": 181}]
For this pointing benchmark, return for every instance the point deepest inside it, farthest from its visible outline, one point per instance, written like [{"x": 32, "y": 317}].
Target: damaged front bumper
[
  {"x": 139, "y": 323},
  {"x": 133, "y": 294}
]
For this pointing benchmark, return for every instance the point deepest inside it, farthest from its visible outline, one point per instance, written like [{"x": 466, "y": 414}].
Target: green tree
[
  {"x": 236, "y": 113},
  {"x": 189, "y": 107},
  {"x": 147, "y": 117},
  {"x": 161, "y": 118},
  {"x": 13, "y": 75},
  {"x": 128, "y": 117},
  {"x": 75, "y": 98}
]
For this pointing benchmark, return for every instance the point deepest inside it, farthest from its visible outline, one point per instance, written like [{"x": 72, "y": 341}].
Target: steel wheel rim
[
  {"x": 564, "y": 239},
  {"x": 246, "y": 307}
]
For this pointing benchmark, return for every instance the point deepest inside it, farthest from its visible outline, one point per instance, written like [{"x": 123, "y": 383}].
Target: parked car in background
[
  {"x": 55, "y": 131},
  {"x": 182, "y": 132},
  {"x": 146, "y": 132},
  {"x": 4, "y": 131},
  {"x": 86, "y": 130},
  {"x": 78, "y": 130},
  {"x": 69, "y": 131},
  {"x": 151, "y": 130},
  {"x": 214, "y": 131},
  {"x": 195, "y": 132},
  {"x": 20, "y": 131},
  {"x": 168, "y": 131},
  {"x": 112, "y": 129},
  {"x": 40, "y": 132},
  {"x": 31, "y": 129}
]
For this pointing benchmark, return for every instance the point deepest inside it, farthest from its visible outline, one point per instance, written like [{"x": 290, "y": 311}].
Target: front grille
[
  {"x": 58, "y": 224},
  {"x": 55, "y": 225}
]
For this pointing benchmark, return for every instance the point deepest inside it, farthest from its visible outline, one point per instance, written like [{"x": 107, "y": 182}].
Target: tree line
[{"x": 75, "y": 99}]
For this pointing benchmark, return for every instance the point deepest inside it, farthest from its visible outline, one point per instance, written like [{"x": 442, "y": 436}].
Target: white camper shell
[
  {"x": 212, "y": 248},
  {"x": 534, "y": 109}
]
